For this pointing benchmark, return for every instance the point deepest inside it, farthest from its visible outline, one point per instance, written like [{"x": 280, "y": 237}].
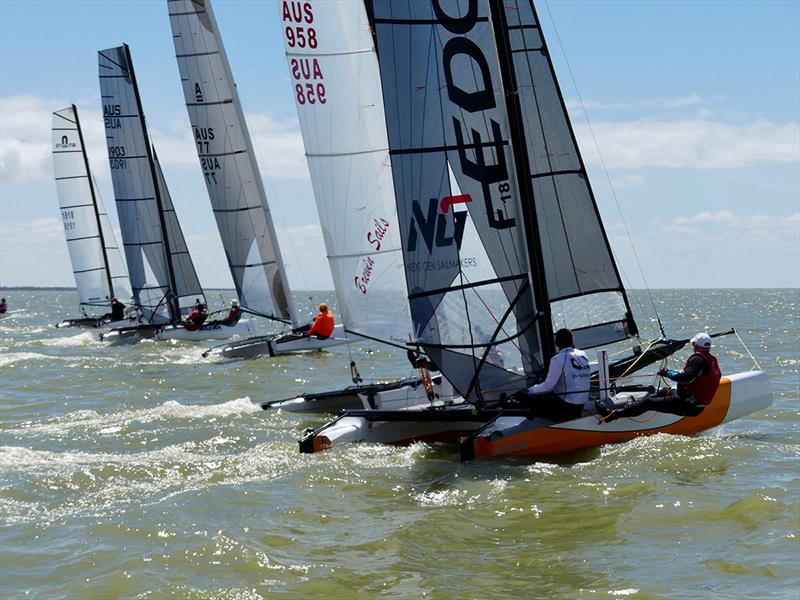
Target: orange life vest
[{"x": 323, "y": 325}]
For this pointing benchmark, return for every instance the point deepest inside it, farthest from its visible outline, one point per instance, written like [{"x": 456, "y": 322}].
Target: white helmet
[
  {"x": 234, "y": 303},
  {"x": 702, "y": 340}
]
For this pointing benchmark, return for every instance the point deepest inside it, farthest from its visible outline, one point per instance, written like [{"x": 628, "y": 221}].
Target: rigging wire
[{"x": 605, "y": 171}]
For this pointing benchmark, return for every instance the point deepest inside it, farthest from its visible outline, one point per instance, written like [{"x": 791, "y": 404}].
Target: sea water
[{"x": 147, "y": 471}]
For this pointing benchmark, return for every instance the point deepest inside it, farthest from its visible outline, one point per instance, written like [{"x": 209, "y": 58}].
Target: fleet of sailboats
[
  {"x": 163, "y": 276},
  {"x": 449, "y": 186},
  {"x": 234, "y": 183}
]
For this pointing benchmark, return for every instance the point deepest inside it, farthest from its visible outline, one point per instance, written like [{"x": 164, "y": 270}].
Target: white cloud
[
  {"x": 690, "y": 143},
  {"x": 628, "y": 181},
  {"x": 34, "y": 253},
  {"x": 707, "y": 217},
  {"x": 25, "y": 141},
  {"x": 666, "y": 103},
  {"x": 712, "y": 250}
]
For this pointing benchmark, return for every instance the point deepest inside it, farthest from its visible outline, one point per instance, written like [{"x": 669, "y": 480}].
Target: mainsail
[
  {"x": 162, "y": 274},
  {"x": 336, "y": 84},
  {"x": 479, "y": 250},
  {"x": 228, "y": 161},
  {"x": 100, "y": 272}
]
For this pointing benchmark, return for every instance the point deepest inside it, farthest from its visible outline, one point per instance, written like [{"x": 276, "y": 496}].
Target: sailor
[
  {"x": 567, "y": 383},
  {"x": 132, "y": 312},
  {"x": 322, "y": 327},
  {"x": 117, "y": 310},
  {"x": 3, "y": 306},
  {"x": 197, "y": 317},
  {"x": 234, "y": 314},
  {"x": 697, "y": 385}
]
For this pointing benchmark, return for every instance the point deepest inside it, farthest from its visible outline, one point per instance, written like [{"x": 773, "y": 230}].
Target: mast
[
  {"x": 94, "y": 203},
  {"x": 519, "y": 150},
  {"x": 173, "y": 302}
]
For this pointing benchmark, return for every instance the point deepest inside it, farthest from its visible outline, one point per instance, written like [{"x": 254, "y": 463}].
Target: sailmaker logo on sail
[
  {"x": 374, "y": 237},
  {"x": 65, "y": 143}
]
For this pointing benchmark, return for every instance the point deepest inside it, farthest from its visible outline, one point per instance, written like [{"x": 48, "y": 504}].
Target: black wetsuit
[{"x": 117, "y": 311}]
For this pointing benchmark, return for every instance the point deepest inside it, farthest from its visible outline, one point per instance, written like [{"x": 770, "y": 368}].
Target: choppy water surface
[{"x": 148, "y": 471}]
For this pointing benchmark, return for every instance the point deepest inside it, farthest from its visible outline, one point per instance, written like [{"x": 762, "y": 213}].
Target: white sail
[
  {"x": 120, "y": 282},
  {"x": 228, "y": 161},
  {"x": 100, "y": 274},
  {"x": 335, "y": 79}
]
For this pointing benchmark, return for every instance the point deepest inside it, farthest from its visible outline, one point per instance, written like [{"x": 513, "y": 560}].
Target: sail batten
[
  {"x": 162, "y": 274},
  {"x": 99, "y": 270},
  {"x": 228, "y": 161}
]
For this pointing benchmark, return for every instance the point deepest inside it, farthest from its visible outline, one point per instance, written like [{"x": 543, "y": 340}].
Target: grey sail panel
[
  {"x": 187, "y": 285},
  {"x": 135, "y": 189},
  {"x": 228, "y": 161},
  {"x": 583, "y": 282},
  {"x": 458, "y": 201}
]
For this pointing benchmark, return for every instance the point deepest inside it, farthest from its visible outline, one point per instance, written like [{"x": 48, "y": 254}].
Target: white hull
[
  {"x": 132, "y": 335},
  {"x": 500, "y": 432},
  {"x": 275, "y": 345},
  {"x": 96, "y": 323},
  {"x": 396, "y": 395},
  {"x": 211, "y": 331}
]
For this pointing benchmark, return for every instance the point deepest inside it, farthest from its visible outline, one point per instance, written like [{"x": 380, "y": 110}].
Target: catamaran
[
  {"x": 502, "y": 240},
  {"x": 162, "y": 274},
  {"x": 234, "y": 184},
  {"x": 100, "y": 272}
]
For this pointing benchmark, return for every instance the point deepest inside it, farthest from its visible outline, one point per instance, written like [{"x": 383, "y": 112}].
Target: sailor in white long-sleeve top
[{"x": 566, "y": 388}]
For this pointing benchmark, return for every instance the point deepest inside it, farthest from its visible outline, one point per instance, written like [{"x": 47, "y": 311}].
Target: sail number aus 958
[
  {"x": 310, "y": 93},
  {"x": 301, "y": 37}
]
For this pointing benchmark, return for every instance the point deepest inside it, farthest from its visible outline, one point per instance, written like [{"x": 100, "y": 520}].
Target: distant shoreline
[{"x": 23, "y": 288}]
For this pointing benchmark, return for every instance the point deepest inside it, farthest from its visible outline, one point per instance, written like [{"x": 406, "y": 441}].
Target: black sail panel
[
  {"x": 583, "y": 283},
  {"x": 457, "y": 196}
]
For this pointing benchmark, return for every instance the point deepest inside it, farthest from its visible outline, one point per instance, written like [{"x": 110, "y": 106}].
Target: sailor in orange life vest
[
  {"x": 322, "y": 327},
  {"x": 566, "y": 388},
  {"x": 697, "y": 384}
]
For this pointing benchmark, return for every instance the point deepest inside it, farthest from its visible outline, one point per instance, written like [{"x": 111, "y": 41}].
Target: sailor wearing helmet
[
  {"x": 697, "y": 384},
  {"x": 234, "y": 314}
]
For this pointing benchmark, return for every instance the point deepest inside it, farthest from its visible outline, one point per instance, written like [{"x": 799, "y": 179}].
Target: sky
[{"x": 692, "y": 140}]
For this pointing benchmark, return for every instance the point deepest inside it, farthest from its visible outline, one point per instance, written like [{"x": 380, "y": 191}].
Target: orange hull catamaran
[{"x": 474, "y": 112}]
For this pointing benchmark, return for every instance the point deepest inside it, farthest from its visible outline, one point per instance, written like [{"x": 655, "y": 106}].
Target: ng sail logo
[{"x": 432, "y": 224}]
